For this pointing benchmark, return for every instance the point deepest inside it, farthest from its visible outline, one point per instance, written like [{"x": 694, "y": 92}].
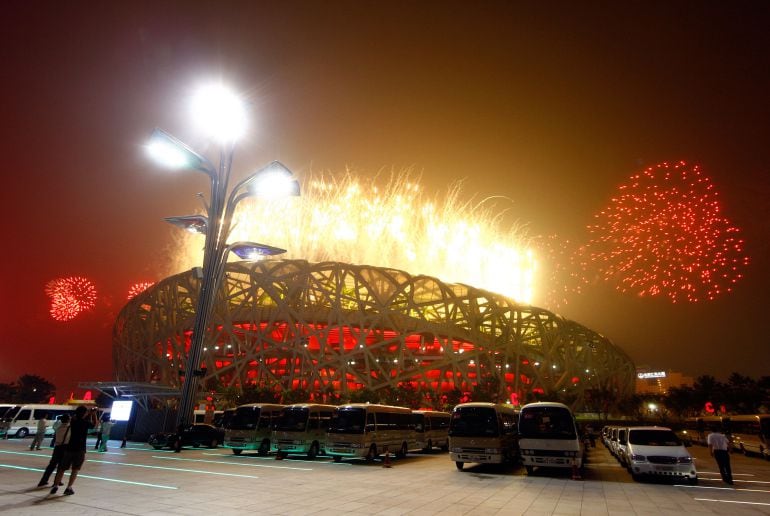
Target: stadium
[{"x": 335, "y": 327}]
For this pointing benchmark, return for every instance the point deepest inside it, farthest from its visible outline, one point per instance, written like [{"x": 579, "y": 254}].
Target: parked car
[
  {"x": 657, "y": 451},
  {"x": 194, "y": 435}
]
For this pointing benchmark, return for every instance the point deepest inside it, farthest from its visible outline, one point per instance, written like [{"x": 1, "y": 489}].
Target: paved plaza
[{"x": 139, "y": 480}]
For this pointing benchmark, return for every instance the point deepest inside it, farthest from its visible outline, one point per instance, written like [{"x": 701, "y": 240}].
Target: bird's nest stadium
[{"x": 330, "y": 326}]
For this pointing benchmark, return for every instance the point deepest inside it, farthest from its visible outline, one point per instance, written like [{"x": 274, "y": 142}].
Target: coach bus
[
  {"x": 548, "y": 437},
  {"x": 698, "y": 428},
  {"x": 365, "y": 430},
  {"x": 483, "y": 433},
  {"x": 750, "y": 434},
  {"x": 251, "y": 427},
  {"x": 431, "y": 429},
  {"x": 301, "y": 429},
  {"x": 21, "y": 420}
]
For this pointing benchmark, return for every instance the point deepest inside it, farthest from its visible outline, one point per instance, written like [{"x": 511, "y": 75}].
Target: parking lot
[{"x": 143, "y": 481}]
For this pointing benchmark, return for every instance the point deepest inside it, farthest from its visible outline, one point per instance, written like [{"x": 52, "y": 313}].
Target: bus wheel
[
  {"x": 337, "y": 458},
  {"x": 21, "y": 433},
  {"x": 264, "y": 448},
  {"x": 237, "y": 451},
  {"x": 372, "y": 453},
  {"x": 459, "y": 465},
  {"x": 313, "y": 452},
  {"x": 529, "y": 469},
  {"x": 214, "y": 443}
]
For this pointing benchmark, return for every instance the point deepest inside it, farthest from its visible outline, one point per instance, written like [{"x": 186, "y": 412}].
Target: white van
[
  {"x": 657, "y": 451},
  {"x": 548, "y": 437},
  {"x": 21, "y": 420}
]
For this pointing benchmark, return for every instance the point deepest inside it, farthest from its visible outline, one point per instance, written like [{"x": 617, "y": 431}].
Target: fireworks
[
  {"x": 138, "y": 288},
  {"x": 348, "y": 220},
  {"x": 664, "y": 234},
  {"x": 561, "y": 272},
  {"x": 70, "y": 297}
]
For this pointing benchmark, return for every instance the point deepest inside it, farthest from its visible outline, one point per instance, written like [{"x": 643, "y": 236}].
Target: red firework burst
[
  {"x": 70, "y": 297},
  {"x": 138, "y": 288},
  {"x": 563, "y": 269},
  {"x": 664, "y": 235}
]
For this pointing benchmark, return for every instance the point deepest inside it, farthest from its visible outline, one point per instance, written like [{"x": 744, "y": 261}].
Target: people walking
[
  {"x": 55, "y": 426},
  {"x": 75, "y": 451},
  {"x": 106, "y": 429},
  {"x": 719, "y": 447},
  {"x": 42, "y": 426},
  {"x": 98, "y": 442},
  {"x": 61, "y": 439}
]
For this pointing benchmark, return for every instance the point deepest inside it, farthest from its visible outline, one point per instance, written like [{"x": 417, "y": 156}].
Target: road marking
[
  {"x": 718, "y": 473},
  {"x": 230, "y": 463},
  {"x": 321, "y": 462},
  {"x": 726, "y": 488},
  {"x": 184, "y": 470},
  {"x": 729, "y": 501},
  {"x": 92, "y": 477}
]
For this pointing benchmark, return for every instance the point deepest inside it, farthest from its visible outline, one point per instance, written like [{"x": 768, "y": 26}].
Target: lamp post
[{"x": 222, "y": 111}]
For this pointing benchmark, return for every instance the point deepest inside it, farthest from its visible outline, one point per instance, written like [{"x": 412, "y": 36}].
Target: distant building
[{"x": 652, "y": 381}]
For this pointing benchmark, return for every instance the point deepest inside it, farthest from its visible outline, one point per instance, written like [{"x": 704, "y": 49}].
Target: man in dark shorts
[{"x": 75, "y": 453}]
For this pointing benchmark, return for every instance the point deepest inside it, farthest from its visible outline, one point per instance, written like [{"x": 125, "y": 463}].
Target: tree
[
  {"x": 30, "y": 388},
  {"x": 293, "y": 396},
  {"x": 364, "y": 396}
]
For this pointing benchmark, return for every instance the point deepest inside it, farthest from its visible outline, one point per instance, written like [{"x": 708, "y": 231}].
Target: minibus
[
  {"x": 483, "y": 433},
  {"x": 431, "y": 429},
  {"x": 251, "y": 427},
  {"x": 301, "y": 429},
  {"x": 751, "y": 434},
  {"x": 21, "y": 420},
  {"x": 548, "y": 437},
  {"x": 367, "y": 430}
]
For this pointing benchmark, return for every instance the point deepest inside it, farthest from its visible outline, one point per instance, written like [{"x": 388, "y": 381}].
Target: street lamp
[{"x": 222, "y": 114}]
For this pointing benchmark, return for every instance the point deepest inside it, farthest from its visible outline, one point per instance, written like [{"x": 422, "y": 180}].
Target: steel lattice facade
[{"x": 331, "y": 325}]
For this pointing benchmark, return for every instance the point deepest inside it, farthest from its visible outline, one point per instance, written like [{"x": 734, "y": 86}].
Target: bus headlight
[
  {"x": 456, "y": 450},
  {"x": 492, "y": 451},
  {"x": 684, "y": 460},
  {"x": 638, "y": 458}
]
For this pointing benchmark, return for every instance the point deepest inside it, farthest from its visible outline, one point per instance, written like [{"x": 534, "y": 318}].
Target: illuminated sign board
[
  {"x": 651, "y": 374},
  {"x": 121, "y": 410}
]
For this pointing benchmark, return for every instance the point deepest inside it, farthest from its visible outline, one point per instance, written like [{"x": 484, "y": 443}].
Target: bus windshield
[
  {"x": 293, "y": 420},
  {"x": 348, "y": 421},
  {"x": 245, "y": 418},
  {"x": 474, "y": 422},
  {"x": 7, "y": 413},
  {"x": 547, "y": 422}
]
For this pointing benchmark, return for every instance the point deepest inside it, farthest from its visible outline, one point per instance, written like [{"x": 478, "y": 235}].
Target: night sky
[{"x": 551, "y": 104}]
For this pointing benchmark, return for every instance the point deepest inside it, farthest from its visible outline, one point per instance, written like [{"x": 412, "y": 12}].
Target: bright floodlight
[
  {"x": 191, "y": 223},
  {"x": 169, "y": 152},
  {"x": 253, "y": 250},
  {"x": 219, "y": 113},
  {"x": 275, "y": 180}
]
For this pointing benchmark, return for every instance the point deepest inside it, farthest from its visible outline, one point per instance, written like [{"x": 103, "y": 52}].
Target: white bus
[
  {"x": 548, "y": 437},
  {"x": 251, "y": 427},
  {"x": 364, "y": 430},
  {"x": 432, "y": 429},
  {"x": 302, "y": 429},
  {"x": 21, "y": 420},
  {"x": 751, "y": 434},
  {"x": 484, "y": 433}
]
